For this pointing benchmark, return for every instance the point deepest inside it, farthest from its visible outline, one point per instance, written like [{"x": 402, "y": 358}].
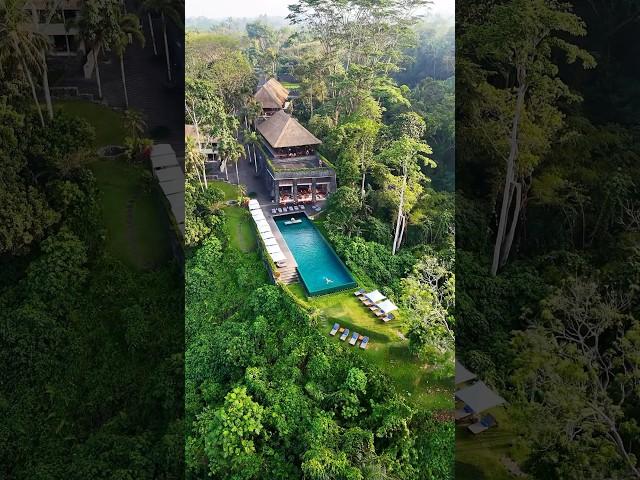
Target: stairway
[{"x": 288, "y": 275}]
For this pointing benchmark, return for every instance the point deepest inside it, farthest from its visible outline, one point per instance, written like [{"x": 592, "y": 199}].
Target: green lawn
[
  {"x": 106, "y": 122},
  {"x": 478, "y": 457},
  {"x": 290, "y": 85},
  {"x": 230, "y": 191},
  {"x": 241, "y": 232},
  {"x": 147, "y": 242},
  {"x": 386, "y": 348}
]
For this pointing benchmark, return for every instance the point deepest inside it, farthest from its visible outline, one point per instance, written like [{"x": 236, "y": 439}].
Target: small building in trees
[
  {"x": 272, "y": 96},
  {"x": 207, "y": 145},
  {"x": 292, "y": 168},
  {"x": 58, "y": 24}
]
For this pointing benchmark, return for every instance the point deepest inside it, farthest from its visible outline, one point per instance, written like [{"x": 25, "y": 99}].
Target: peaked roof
[
  {"x": 275, "y": 85},
  {"x": 272, "y": 94},
  {"x": 282, "y": 130}
]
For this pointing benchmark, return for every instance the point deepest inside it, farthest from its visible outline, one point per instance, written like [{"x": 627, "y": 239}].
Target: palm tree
[
  {"x": 193, "y": 160},
  {"x": 134, "y": 123},
  {"x": 99, "y": 28},
  {"x": 166, "y": 8},
  {"x": 21, "y": 44},
  {"x": 129, "y": 25},
  {"x": 251, "y": 141}
]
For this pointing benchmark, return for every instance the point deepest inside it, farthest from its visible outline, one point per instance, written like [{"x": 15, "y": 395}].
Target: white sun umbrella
[
  {"x": 387, "y": 306},
  {"x": 270, "y": 241},
  {"x": 479, "y": 397},
  {"x": 462, "y": 374},
  {"x": 375, "y": 296}
]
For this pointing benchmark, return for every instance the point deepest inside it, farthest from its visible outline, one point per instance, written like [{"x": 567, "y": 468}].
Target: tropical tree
[
  {"x": 194, "y": 162},
  {"x": 128, "y": 27},
  {"x": 134, "y": 123},
  {"x": 520, "y": 38},
  {"x": 404, "y": 156},
  {"x": 99, "y": 28},
  {"x": 171, "y": 9},
  {"x": 26, "y": 47}
]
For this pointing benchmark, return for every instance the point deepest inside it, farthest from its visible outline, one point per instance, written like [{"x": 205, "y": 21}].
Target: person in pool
[{"x": 328, "y": 280}]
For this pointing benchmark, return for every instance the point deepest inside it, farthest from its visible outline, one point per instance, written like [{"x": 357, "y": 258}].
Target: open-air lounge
[{"x": 289, "y": 163}]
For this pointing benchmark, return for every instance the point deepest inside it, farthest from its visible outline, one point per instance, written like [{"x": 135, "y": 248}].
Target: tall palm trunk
[
  {"x": 166, "y": 46},
  {"x": 237, "y": 174},
  {"x": 124, "y": 81},
  {"x": 45, "y": 86},
  {"x": 95, "y": 61},
  {"x": 153, "y": 35},
  {"x": 30, "y": 80}
]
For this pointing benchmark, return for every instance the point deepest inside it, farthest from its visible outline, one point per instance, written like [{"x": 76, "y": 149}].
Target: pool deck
[
  {"x": 255, "y": 185},
  {"x": 291, "y": 262}
]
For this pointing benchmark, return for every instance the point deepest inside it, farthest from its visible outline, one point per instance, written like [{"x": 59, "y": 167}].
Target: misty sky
[{"x": 253, "y": 8}]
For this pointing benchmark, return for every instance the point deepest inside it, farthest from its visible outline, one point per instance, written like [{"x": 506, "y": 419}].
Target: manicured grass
[
  {"x": 290, "y": 85},
  {"x": 387, "y": 348},
  {"x": 230, "y": 191},
  {"x": 106, "y": 122},
  {"x": 145, "y": 243},
  {"x": 478, "y": 456},
  {"x": 241, "y": 233}
]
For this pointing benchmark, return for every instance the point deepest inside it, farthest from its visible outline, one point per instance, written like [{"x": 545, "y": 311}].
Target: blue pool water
[{"x": 318, "y": 265}]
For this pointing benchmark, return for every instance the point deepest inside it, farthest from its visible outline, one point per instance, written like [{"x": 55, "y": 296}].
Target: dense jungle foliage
[
  {"x": 91, "y": 347},
  {"x": 547, "y": 252}
]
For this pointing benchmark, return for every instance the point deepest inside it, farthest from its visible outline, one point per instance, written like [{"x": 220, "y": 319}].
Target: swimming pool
[{"x": 319, "y": 267}]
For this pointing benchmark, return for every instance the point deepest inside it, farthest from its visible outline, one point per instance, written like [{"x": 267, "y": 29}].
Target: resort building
[
  {"x": 272, "y": 96},
  {"x": 207, "y": 145},
  {"x": 292, "y": 169},
  {"x": 58, "y": 24}
]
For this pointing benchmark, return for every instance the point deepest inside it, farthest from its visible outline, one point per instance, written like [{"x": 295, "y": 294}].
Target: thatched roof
[
  {"x": 282, "y": 130},
  {"x": 271, "y": 94}
]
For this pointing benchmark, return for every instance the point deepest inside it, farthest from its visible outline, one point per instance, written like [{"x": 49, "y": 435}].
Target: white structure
[
  {"x": 57, "y": 19},
  {"x": 171, "y": 180},
  {"x": 478, "y": 397},
  {"x": 462, "y": 374}
]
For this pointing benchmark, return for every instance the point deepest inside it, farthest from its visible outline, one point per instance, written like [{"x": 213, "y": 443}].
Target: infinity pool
[{"x": 319, "y": 267}]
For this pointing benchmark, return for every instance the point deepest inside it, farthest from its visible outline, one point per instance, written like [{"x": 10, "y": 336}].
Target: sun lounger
[
  {"x": 485, "y": 423},
  {"x": 335, "y": 328},
  {"x": 359, "y": 292},
  {"x": 274, "y": 210},
  {"x": 279, "y": 210},
  {"x": 295, "y": 208},
  {"x": 354, "y": 338},
  {"x": 364, "y": 343},
  {"x": 463, "y": 412},
  {"x": 366, "y": 301},
  {"x": 301, "y": 207},
  {"x": 344, "y": 335},
  {"x": 379, "y": 313}
]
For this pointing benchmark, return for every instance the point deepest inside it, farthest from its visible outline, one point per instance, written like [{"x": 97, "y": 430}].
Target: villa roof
[
  {"x": 271, "y": 94},
  {"x": 282, "y": 130}
]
